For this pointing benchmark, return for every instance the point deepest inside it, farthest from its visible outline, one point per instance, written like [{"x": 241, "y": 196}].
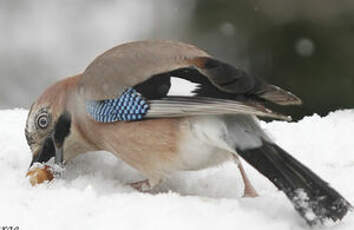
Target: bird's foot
[
  {"x": 249, "y": 191},
  {"x": 141, "y": 186}
]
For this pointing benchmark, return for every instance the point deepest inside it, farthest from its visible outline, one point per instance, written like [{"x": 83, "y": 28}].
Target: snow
[
  {"x": 305, "y": 47},
  {"x": 92, "y": 194}
]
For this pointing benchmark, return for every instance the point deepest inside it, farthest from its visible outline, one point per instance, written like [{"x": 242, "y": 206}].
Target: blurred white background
[{"x": 43, "y": 41}]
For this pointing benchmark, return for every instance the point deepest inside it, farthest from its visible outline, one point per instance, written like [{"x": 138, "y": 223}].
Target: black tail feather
[{"x": 312, "y": 197}]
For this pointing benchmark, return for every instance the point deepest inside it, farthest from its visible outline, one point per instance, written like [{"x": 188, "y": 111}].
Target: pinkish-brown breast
[{"x": 150, "y": 146}]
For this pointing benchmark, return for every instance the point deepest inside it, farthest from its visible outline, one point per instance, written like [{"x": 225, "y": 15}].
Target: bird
[{"x": 167, "y": 106}]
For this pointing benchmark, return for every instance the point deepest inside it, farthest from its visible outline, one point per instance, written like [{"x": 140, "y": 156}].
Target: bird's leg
[
  {"x": 142, "y": 186},
  {"x": 249, "y": 190}
]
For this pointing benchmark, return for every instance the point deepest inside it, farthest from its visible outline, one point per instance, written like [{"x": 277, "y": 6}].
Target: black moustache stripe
[
  {"x": 62, "y": 129},
  {"x": 47, "y": 152}
]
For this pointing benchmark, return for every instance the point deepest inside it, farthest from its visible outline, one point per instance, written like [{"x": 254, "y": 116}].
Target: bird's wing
[
  {"x": 155, "y": 79},
  {"x": 148, "y": 66}
]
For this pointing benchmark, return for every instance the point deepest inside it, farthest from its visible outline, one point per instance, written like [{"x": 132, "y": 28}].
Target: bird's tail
[{"x": 312, "y": 197}]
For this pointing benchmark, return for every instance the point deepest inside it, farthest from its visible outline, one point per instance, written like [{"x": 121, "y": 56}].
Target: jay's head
[{"x": 49, "y": 122}]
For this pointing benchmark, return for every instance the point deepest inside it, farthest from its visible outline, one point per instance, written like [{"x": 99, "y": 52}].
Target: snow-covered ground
[{"x": 92, "y": 193}]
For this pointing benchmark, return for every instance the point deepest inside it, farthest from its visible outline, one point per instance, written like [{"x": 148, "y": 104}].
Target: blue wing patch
[{"x": 129, "y": 106}]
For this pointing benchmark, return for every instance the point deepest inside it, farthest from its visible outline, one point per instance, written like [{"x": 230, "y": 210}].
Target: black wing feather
[{"x": 218, "y": 80}]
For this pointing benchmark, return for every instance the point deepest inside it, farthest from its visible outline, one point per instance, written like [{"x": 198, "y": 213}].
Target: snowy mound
[{"x": 93, "y": 194}]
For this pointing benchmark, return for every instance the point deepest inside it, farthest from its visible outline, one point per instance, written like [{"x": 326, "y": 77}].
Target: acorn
[{"x": 40, "y": 174}]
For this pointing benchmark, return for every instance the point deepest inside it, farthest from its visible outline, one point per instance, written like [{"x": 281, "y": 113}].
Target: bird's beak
[{"x": 53, "y": 144}]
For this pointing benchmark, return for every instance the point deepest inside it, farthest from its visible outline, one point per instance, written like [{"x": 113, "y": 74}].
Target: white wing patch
[{"x": 181, "y": 87}]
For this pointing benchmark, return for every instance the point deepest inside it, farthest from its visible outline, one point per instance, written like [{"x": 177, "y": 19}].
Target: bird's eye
[{"x": 43, "y": 121}]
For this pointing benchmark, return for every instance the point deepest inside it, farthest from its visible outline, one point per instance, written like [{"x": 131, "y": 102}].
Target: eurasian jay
[{"x": 164, "y": 106}]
